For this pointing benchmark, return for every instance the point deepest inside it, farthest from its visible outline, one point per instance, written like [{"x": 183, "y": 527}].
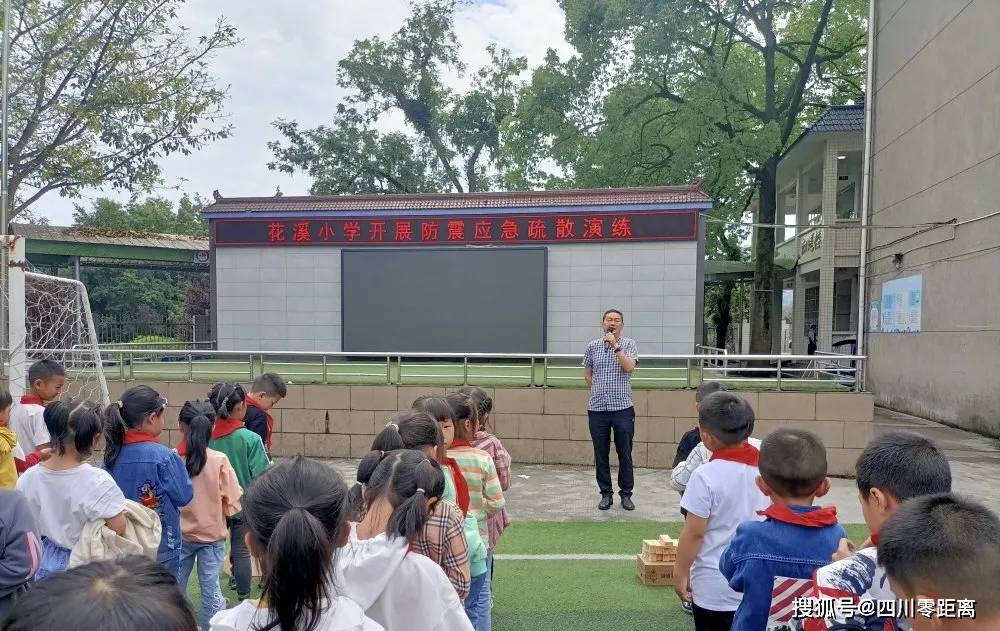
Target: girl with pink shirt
[{"x": 217, "y": 495}]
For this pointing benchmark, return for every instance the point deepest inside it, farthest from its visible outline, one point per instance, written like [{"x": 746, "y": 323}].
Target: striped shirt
[
  {"x": 485, "y": 494},
  {"x": 489, "y": 443},
  {"x": 443, "y": 541},
  {"x": 611, "y": 388}
]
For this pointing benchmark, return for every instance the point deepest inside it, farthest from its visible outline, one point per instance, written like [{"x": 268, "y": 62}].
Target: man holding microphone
[{"x": 608, "y": 364}]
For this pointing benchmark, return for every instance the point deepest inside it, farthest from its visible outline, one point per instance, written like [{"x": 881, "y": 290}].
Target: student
[
  {"x": 396, "y": 589},
  {"x": 265, "y": 392},
  {"x": 217, "y": 496},
  {"x": 8, "y": 443},
  {"x": 893, "y": 468},
  {"x": 45, "y": 381},
  {"x": 247, "y": 456},
  {"x": 295, "y": 521},
  {"x": 146, "y": 471},
  {"x": 19, "y": 548},
  {"x": 443, "y": 538},
  {"x": 485, "y": 496},
  {"x": 691, "y": 452},
  {"x": 795, "y": 537},
  {"x": 65, "y": 493},
  {"x": 720, "y": 495},
  {"x": 131, "y": 593},
  {"x": 944, "y": 548}
]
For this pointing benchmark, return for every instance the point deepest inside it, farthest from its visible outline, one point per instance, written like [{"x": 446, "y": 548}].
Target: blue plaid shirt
[{"x": 612, "y": 387}]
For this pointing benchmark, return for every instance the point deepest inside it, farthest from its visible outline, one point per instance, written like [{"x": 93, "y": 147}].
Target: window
[{"x": 843, "y": 304}]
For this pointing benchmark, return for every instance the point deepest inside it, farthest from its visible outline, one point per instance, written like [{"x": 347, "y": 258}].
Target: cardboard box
[
  {"x": 657, "y": 551},
  {"x": 652, "y": 573}
]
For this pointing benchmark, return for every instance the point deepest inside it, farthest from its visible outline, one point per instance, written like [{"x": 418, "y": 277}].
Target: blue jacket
[
  {"x": 763, "y": 550},
  {"x": 155, "y": 476}
]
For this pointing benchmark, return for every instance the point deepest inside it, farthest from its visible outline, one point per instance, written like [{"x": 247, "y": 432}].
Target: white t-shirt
[
  {"x": 726, "y": 494},
  {"x": 63, "y": 502},
  {"x": 28, "y": 423},
  {"x": 344, "y": 615}
]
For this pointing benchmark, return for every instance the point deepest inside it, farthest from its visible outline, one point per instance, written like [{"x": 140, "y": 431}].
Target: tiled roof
[
  {"x": 840, "y": 118},
  {"x": 74, "y": 234},
  {"x": 444, "y": 201}
]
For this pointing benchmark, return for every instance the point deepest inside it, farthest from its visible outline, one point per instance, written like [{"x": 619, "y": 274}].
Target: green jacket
[
  {"x": 246, "y": 453},
  {"x": 473, "y": 539}
]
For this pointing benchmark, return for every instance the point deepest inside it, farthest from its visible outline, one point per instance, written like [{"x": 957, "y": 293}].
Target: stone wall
[{"x": 539, "y": 425}]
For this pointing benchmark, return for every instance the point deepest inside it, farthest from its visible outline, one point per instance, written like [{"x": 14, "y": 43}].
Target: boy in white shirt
[
  {"x": 720, "y": 495},
  {"x": 45, "y": 382}
]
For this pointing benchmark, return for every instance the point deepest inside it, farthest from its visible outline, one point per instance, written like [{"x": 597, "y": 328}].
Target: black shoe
[
  {"x": 606, "y": 502},
  {"x": 627, "y": 503}
]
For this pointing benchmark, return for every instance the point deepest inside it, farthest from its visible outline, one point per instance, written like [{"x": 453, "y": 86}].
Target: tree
[
  {"x": 454, "y": 140},
  {"x": 101, "y": 89},
  {"x": 714, "y": 87}
]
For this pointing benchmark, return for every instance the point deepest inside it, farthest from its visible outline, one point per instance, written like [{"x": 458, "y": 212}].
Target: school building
[{"x": 523, "y": 272}]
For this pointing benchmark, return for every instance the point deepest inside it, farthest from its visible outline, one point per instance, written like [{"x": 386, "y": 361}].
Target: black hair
[
  {"x": 198, "y": 416},
  {"x": 726, "y": 416},
  {"x": 295, "y": 513},
  {"x": 129, "y": 593},
  {"x": 406, "y": 478},
  {"x": 792, "y": 462},
  {"x": 6, "y": 400},
  {"x": 706, "y": 388},
  {"x": 904, "y": 465},
  {"x": 75, "y": 422},
  {"x": 464, "y": 408},
  {"x": 410, "y": 429},
  {"x": 45, "y": 369},
  {"x": 270, "y": 383},
  {"x": 944, "y": 546},
  {"x": 620, "y": 314},
  {"x": 135, "y": 406},
  {"x": 224, "y": 397},
  {"x": 438, "y": 407},
  {"x": 484, "y": 403}
]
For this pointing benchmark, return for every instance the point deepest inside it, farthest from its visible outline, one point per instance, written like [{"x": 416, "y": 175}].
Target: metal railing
[
  {"x": 701, "y": 349},
  {"x": 780, "y": 372}
]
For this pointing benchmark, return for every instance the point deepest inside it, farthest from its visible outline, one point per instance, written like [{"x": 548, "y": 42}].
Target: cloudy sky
[{"x": 286, "y": 68}]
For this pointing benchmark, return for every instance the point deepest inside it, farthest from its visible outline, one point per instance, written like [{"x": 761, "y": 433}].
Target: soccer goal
[{"x": 49, "y": 318}]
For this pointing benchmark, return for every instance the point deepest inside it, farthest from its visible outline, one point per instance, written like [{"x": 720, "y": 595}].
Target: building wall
[
  {"x": 936, "y": 157},
  {"x": 272, "y": 299},
  {"x": 539, "y": 425}
]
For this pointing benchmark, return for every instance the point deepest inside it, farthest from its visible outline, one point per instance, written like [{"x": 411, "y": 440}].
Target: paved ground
[{"x": 565, "y": 493}]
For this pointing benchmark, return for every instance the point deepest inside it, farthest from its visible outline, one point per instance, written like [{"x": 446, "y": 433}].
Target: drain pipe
[{"x": 866, "y": 192}]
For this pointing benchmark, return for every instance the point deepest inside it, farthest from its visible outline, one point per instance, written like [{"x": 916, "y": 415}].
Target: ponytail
[
  {"x": 114, "y": 434},
  {"x": 199, "y": 432},
  {"x": 406, "y": 478},
  {"x": 484, "y": 403},
  {"x": 465, "y": 409},
  {"x": 411, "y": 429},
  {"x": 410, "y": 517},
  {"x": 129, "y": 412},
  {"x": 75, "y": 421},
  {"x": 295, "y": 514},
  {"x": 224, "y": 397}
]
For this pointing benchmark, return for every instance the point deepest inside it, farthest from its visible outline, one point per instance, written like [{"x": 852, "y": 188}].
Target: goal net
[{"x": 57, "y": 325}]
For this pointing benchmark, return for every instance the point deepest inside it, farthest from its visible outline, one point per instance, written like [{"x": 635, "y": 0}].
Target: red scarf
[
  {"x": 220, "y": 429},
  {"x": 270, "y": 421},
  {"x": 28, "y": 399},
  {"x": 744, "y": 454},
  {"x": 134, "y": 436},
  {"x": 874, "y": 538},
  {"x": 813, "y": 519},
  {"x": 461, "y": 486}
]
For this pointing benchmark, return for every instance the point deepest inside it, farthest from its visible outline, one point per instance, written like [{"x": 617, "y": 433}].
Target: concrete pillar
[
  {"x": 799, "y": 315},
  {"x": 827, "y": 267}
]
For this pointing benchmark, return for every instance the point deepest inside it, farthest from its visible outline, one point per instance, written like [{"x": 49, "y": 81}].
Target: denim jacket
[{"x": 763, "y": 550}]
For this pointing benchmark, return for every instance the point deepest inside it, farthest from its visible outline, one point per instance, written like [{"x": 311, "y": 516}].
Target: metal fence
[
  {"x": 114, "y": 330},
  {"x": 779, "y": 372}
]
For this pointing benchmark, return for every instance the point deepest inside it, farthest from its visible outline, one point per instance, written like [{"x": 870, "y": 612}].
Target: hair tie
[
  {"x": 421, "y": 491},
  {"x": 381, "y": 454},
  {"x": 394, "y": 426},
  {"x": 121, "y": 406}
]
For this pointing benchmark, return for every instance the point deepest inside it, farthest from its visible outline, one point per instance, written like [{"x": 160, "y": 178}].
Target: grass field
[
  {"x": 438, "y": 373},
  {"x": 580, "y": 595}
]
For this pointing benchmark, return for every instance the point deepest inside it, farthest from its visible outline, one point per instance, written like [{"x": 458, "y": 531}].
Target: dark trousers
[
  {"x": 622, "y": 423},
  {"x": 708, "y": 620},
  {"x": 239, "y": 556}
]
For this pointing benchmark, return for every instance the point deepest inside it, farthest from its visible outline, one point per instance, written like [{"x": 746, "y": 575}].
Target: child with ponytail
[
  {"x": 146, "y": 471},
  {"x": 249, "y": 459},
  {"x": 485, "y": 496},
  {"x": 217, "y": 496},
  {"x": 65, "y": 493},
  {"x": 443, "y": 538},
  {"x": 295, "y": 520},
  {"x": 398, "y": 590}
]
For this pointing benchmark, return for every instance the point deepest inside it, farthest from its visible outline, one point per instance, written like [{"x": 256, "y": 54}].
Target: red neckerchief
[
  {"x": 29, "y": 461},
  {"x": 134, "y": 436},
  {"x": 270, "y": 421},
  {"x": 874, "y": 538},
  {"x": 813, "y": 519},
  {"x": 461, "y": 486},
  {"x": 744, "y": 454},
  {"x": 29, "y": 399},
  {"x": 220, "y": 429}
]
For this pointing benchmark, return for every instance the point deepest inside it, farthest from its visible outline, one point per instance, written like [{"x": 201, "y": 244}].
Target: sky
[{"x": 286, "y": 68}]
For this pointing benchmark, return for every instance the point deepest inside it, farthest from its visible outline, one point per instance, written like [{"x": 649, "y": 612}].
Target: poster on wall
[{"x": 901, "y": 303}]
